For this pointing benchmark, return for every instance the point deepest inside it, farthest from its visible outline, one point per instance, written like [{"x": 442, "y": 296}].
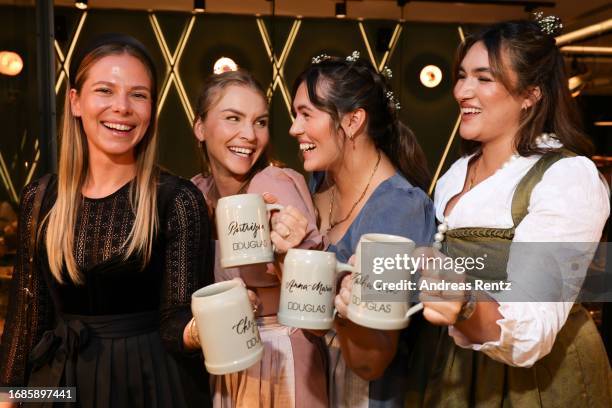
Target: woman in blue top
[{"x": 369, "y": 176}]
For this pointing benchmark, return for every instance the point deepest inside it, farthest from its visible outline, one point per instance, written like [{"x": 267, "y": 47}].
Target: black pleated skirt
[{"x": 116, "y": 361}]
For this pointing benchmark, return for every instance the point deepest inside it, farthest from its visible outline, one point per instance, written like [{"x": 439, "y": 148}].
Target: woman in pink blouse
[{"x": 232, "y": 129}]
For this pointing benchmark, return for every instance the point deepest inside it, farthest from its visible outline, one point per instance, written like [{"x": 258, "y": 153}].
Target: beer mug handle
[
  {"x": 272, "y": 207},
  {"x": 414, "y": 309},
  {"x": 343, "y": 267}
]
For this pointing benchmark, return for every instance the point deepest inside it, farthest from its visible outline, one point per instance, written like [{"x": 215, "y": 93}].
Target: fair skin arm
[
  {"x": 478, "y": 329},
  {"x": 368, "y": 352}
]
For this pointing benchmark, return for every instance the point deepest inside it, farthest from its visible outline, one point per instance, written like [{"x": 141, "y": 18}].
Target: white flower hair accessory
[
  {"x": 393, "y": 100},
  {"x": 353, "y": 57},
  {"x": 550, "y": 25},
  {"x": 320, "y": 58},
  {"x": 386, "y": 72}
]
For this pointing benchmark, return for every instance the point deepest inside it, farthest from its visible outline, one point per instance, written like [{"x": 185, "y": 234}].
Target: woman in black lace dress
[{"x": 103, "y": 304}]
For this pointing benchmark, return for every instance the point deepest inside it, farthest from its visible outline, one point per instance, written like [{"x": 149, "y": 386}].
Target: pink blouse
[{"x": 290, "y": 188}]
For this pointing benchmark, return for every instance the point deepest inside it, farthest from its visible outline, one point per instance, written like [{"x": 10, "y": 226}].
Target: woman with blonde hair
[
  {"x": 110, "y": 250},
  {"x": 231, "y": 127}
]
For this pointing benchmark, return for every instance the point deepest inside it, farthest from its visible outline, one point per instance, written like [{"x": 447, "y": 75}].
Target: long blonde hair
[{"x": 73, "y": 159}]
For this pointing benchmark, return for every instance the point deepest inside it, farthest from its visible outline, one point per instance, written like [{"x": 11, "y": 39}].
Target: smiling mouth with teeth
[
  {"x": 118, "y": 126},
  {"x": 306, "y": 147},
  {"x": 241, "y": 151},
  {"x": 470, "y": 111}
]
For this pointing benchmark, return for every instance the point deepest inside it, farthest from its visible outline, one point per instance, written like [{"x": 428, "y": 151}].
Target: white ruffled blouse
[{"x": 570, "y": 204}]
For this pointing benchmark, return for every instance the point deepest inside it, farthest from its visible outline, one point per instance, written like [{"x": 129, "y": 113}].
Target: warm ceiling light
[
  {"x": 603, "y": 123},
  {"x": 431, "y": 76},
  {"x": 11, "y": 63},
  {"x": 81, "y": 4},
  {"x": 584, "y": 33},
  {"x": 585, "y": 50},
  {"x": 341, "y": 9},
  {"x": 224, "y": 64},
  {"x": 199, "y": 6},
  {"x": 576, "y": 84}
]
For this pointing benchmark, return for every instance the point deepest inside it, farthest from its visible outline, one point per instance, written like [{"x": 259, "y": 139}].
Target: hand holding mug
[
  {"x": 441, "y": 306},
  {"x": 253, "y": 298},
  {"x": 343, "y": 298},
  {"x": 289, "y": 226}
]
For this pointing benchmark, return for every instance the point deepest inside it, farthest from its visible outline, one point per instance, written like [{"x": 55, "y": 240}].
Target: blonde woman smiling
[{"x": 104, "y": 303}]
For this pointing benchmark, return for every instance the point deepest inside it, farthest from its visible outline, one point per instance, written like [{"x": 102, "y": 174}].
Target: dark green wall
[
  {"x": 431, "y": 113},
  {"x": 18, "y": 97}
]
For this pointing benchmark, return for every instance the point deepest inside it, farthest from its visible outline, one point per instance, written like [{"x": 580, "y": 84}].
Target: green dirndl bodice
[{"x": 576, "y": 373}]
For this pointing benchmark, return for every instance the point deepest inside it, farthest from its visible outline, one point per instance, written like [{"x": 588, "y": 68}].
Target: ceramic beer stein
[
  {"x": 308, "y": 288},
  {"x": 243, "y": 229},
  {"x": 227, "y": 327}
]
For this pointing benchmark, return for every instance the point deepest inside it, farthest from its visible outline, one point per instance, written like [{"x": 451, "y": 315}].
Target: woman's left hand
[{"x": 289, "y": 226}]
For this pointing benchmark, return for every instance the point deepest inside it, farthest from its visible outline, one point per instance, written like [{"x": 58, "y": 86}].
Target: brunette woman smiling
[{"x": 525, "y": 180}]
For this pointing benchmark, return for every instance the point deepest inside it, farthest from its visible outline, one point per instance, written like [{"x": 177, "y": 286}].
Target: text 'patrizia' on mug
[{"x": 243, "y": 226}]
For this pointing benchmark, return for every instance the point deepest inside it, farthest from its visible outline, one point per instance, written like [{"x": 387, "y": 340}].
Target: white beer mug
[
  {"x": 243, "y": 228},
  {"x": 308, "y": 288},
  {"x": 227, "y": 327},
  {"x": 379, "y": 315}
]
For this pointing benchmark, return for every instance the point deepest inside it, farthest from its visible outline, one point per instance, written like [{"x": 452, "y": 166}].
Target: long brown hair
[
  {"x": 351, "y": 85},
  {"x": 537, "y": 62},
  {"x": 210, "y": 93},
  {"x": 73, "y": 158}
]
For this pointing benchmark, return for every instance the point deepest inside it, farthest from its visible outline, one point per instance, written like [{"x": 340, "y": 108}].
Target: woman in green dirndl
[{"x": 525, "y": 177}]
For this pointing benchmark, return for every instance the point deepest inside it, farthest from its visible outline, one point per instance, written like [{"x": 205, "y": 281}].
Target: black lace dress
[{"x": 118, "y": 337}]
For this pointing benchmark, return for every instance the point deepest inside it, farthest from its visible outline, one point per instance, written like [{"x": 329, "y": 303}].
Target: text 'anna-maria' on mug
[
  {"x": 308, "y": 288},
  {"x": 227, "y": 327},
  {"x": 243, "y": 228}
]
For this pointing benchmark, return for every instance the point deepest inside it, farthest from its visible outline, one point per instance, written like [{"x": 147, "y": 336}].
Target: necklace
[
  {"x": 474, "y": 170},
  {"x": 331, "y": 204}
]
